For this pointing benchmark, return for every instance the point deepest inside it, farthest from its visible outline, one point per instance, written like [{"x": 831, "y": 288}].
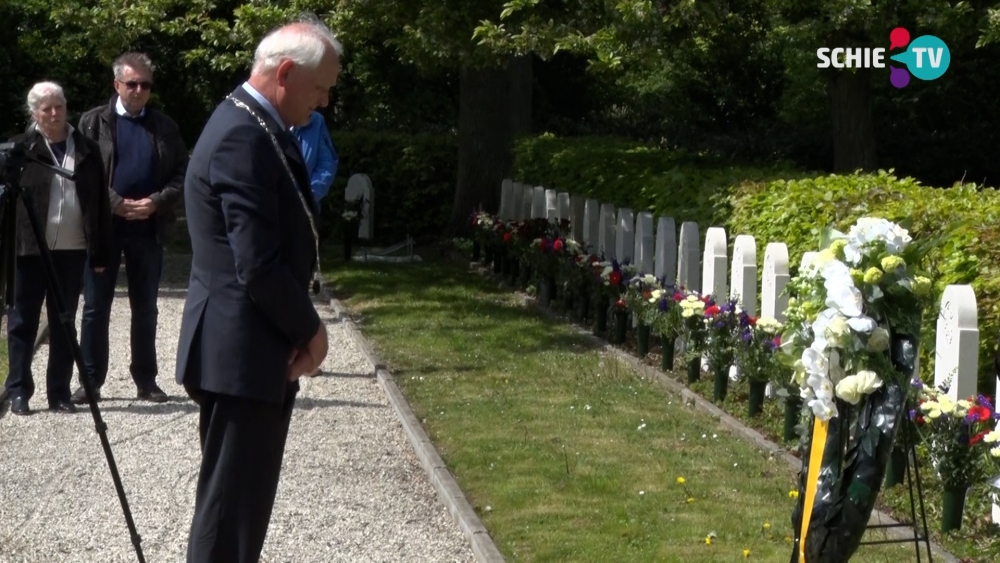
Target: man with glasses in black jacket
[{"x": 145, "y": 159}]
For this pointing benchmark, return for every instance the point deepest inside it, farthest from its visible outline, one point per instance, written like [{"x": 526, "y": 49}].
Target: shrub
[{"x": 413, "y": 180}]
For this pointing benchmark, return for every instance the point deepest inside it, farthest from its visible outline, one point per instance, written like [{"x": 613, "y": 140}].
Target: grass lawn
[{"x": 564, "y": 452}]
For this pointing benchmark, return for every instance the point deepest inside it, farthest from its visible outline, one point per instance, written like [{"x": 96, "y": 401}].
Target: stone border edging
[
  {"x": 448, "y": 490},
  {"x": 727, "y": 420}
]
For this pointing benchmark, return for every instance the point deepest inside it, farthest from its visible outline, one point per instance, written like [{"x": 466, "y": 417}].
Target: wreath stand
[{"x": 913, "y": 481}]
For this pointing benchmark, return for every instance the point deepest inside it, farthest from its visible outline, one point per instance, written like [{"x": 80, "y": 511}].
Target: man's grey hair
[
  {"x": 303, "y": 41},
  {"x": 42, "y": 92},
  {"x": 139, "y": 61}
]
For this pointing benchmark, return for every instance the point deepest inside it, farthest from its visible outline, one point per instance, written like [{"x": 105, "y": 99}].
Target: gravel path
[{"x": 351, "y": 488}]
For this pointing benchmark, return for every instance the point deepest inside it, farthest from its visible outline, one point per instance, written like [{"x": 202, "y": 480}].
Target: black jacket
[
  {"x": 253, "y": 254},
  {"x": 170, "y": 157},
  {"x": 90, "y": 191}
]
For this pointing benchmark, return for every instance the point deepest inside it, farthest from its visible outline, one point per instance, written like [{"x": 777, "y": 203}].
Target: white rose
[
  {"x": 878, "y": 341},
  {"x": 854, "y": 387}
]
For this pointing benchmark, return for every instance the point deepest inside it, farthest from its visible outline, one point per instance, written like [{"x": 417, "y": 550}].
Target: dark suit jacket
[
  {"x": 90, "y": 192},
  {"x": 253, "y": 250}
]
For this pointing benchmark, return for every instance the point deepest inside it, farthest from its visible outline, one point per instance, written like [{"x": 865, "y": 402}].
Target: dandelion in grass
[
  {"x": 793, "y": 495},
  {"x": 746, "y": 554}
]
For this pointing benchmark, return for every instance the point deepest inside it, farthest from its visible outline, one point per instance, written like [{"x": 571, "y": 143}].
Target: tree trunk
[
  {"x": 853, "y": 132},
  {"x": 491, "y": 109}
]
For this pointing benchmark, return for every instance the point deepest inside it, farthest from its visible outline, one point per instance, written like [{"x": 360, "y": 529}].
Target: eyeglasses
[{"x": 132, "y": 84}]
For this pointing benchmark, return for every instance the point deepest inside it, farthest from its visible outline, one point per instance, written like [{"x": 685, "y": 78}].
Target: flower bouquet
[
  {"x": 637, "y": 301},
  {"x": 667, "y": 322},
  {"x": 758, "y": 341},
  {"x": 853, "y": 338},
  {"x": 613, "y": 276},
  {"x": 695, "y": 332},
  {"x": 722, "y": 331},
  {"x": 963, "y": 444}
]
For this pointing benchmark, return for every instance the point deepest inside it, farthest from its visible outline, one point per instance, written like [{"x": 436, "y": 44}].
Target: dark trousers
[
  {"x": 143, "y": 266},
  {"x": 30, "y": 289},
  {"x": 242, "y": 442}
]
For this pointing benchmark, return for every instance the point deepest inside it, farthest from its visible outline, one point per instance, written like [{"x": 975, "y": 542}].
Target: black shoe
[
  {"x": 19, "y": 405},
  {"x": 79, "y": 396},
  {"x": 153, "y": 394},
  {"x": 62, "y": 406}
]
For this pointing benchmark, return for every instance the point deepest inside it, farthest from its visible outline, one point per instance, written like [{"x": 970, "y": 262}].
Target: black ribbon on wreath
[{"x": 852, "y": 466}]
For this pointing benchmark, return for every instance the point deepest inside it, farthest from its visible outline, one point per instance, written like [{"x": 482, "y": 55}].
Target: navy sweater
[{"x": 134, "y": 167}]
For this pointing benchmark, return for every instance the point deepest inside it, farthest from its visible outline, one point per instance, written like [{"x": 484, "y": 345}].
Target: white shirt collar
[
  {"x": 266, "y": 104},
  {"x": 120, "y": 109}
]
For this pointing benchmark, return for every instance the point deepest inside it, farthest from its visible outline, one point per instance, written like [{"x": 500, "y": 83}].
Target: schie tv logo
[{"x": 927, "y": 57}]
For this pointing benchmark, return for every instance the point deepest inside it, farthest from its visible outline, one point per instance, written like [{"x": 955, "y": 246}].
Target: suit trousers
[{"x": 243, "y": 442}]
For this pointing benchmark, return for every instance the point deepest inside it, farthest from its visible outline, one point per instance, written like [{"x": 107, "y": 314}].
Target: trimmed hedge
[
  {"x": 782, "y": 204},
  {"x": 413, "y": 179},
  {"x": 635, "y": 175}
]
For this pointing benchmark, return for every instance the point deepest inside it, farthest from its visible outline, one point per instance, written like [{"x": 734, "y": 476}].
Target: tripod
[{"x": 13, "y": 158}]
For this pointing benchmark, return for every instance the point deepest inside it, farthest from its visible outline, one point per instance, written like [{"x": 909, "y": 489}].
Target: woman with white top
[{"x": 75, "y": 216}]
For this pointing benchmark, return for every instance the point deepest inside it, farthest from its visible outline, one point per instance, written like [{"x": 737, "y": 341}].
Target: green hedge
[
  {"x": 794, "y": 211},
  {"x": 782, "y": 204},
  {"x": 413, "y": 179},
  {"x": 635, "y": 175}
]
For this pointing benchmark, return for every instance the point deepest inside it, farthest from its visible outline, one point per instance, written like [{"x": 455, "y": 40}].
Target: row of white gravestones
[
  {"x": 615, "y": 234},
  {"x": 360, "y": 185}
]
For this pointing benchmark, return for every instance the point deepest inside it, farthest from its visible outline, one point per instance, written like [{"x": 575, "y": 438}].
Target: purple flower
[
  {"x": 720, "y": 324},
  {"x": 746, "y": 336},
  {"x": 917, "y": 384},
  {"x": 664, "y": 304},
  {"x": 913, "y": 414}
]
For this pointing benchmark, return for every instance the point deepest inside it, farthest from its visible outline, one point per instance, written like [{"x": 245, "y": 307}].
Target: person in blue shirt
[{"x": 320, "y": 156}]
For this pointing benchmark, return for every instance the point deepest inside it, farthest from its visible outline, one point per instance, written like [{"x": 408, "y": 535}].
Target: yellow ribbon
[{"x": 812, "y": 479}]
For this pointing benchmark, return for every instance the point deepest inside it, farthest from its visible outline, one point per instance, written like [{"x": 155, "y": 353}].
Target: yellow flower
[
  {"x": 746, "y": 554},
  {"x": 708, "y": 540},
  {"x": 890, "y": 263},
  {"x": 767, "y": 525},
  {"x": 995, "y": 452},
  {"x": 680, "y": 480},
  {"x": 837, "y": 247},
  {"x": 921, "y": 286},
  {"x": 690, "y": 500},
  {"x": 873, "y": 276},
  {"x": 793, "y": 494},
  {"x": 857, "y": 275},
  {"x": 993, "y": 436}
]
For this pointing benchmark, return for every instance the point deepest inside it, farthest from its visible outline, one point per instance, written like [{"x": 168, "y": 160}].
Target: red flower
[
  {"x": 543, "y": 244},
  {"x": 978, "y": 438},
  {"x": 615, "y": 278},
  {"x": 620, "y": 303},
  {"x": 646, "y": 294},
  {"x": 506, "y": 237},
  {"x": 678, "y": 296},
  {"x": 980, "y": 413},
  {"x": 753, "y": 320},
  {"x": 777, "y": 340},
  {"x": 557, "y": 245},
  {"x": 710, "y": 311}
]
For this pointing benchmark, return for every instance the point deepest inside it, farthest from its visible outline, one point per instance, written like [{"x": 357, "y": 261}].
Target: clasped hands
[
  {"x": 136, "y": 209},
  {"x": 304, "y": 361}
]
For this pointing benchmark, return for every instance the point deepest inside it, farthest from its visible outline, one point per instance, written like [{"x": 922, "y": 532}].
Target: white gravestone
[
  {"x": 506, "y": 199},
  {"x": 527, "y": 201},
  {"x": 516, "y": 190},
  {"x": 774, "y": 301},
  {"x": 538, "y": 203},
  {"x": 360, "y": 185},
  {"x": 625, "y": 237},
  {"x": 689, "y": 257},
  {"x": 607, "y": 230},
  {"x": 643, "y": 252},
  {"x": 743, "y": 281},
  {"x": 551, "y": 205},
  {"x": 576, "y": 222},
  {"x": 665, "y": 258},
  {"x": 564, "y": 207},
  {"x": 957, "y": 356},
  {"x": 713, "y": 272},
  {"x": 592, "y": 228}
]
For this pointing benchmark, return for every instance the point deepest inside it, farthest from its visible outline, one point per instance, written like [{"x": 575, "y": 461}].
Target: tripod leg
[
  {"x": 43, "y": 331},
  {"x": 67, "y": 325}
]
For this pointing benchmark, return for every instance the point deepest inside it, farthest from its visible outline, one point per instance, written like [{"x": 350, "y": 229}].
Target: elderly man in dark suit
[{"x": 249, "y": 329}]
